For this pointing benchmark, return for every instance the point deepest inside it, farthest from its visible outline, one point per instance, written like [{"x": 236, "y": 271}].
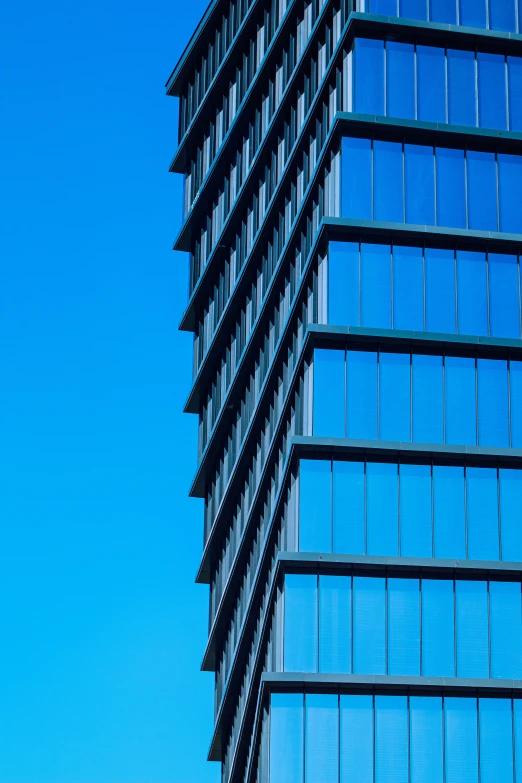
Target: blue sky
[{"x": 103, "y": 628}]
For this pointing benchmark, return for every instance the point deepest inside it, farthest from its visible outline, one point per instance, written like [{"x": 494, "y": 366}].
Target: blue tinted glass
[
  {"x": 451, "y": 196},
  {"x": 502, "y": 15},
  {"x": 329, "y": 394},
  {"x": 492, "y": 90},
  {"x": 448, "y": 511},
  {"x": 461, "y": 80},
  {"x": 415, "y": 511},
  {"x": 482, "y": 505},
  {"x": 343, "y": 283},
  {"x": 503, "y": 295},
  {"x": 510, "y": 505},
  {"x": 472, "y": 293},
  {"x": 383, "y": 7},
  {"x": 315, "y": 506},
  {"x": 460, "y": 719},
  {"x": 438, "y": 628},
  {"x": 388, "y": 200},
  {"x": 517, "y": 721},
  {"x": 443, "y": 11},
  {"x": 322, "y": 738},
  {"x": 427, "y": 399},
  {"x": 514, "y": 65},
  {"x": 426, "y": 739},
  {"x": 382, "y": 509},
  {"x": 506, "y": 630},
  {"x": 473, "y": 13},
  {"x": 356, "y": 739},
  {"x": 348, "y": 507},
  {"x": 408, "y": 288},
  {"x": 369, "y": 606},
  {"x": 362, "y": 394},
  {"x": 431, "y": 81},
  {"x": 286, "y": 738},
  {"x": 413, "y": 9},
  {"x": 510, "y": 190},
  {"x": 472, "y": 629},
  {"x": 356, "y": 178},
  {"x": 369, "y": 76},
  {"x": 376, "y": 285},
  {"x": 300, "y": 653},
  {"x": 496, "y": 741},
  {"x": 403, "y": 626},
  {"x": 400, "y": 80},
  {"x": 440, "y": 290},
  {"x": 394, "y": 386},
  {"x": 461, "y": 416},
  {"x": 482, "y": 190},
  {"x": 391, "y": 739},
  {"x": 419, "y": 172},
  {"x": 335, "y": 624},
  {"x": 493, "y": 402},
  {"x": 515, "y": 391}
]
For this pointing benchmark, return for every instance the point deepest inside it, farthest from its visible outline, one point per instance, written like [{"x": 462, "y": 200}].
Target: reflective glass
[
  {"x": 510, "y": 191},
  {"x": 493, "y": 402},
  {"x": 503, "y": 295},
  {"x": 391, "y": 739},
  {"x": 356, "y": 177},
  {"x": 335, "y": 624},
  {"x": 394, "y": 390},
  {"x": 403, "y": 626},
  {"x": 515, "y": 391},
  {"x": 496, "y": 741},
  {"x": 461, "y": 417},
  {"x": 362, "y": 394},
  {"x": 492, "y": 90},
  {"x": 502, "y": 15},
  {"x": 460, "y": 724},
  {"x": 383, "y": 7},
  {"x": 443, "y": 11},
  {"x": 400, "y": 80},
  {"x": 461, "y": 81},
  {"x": 413, "y": 9},
  {"x": 343, "y": 283},
  {"x": 517, "y": 736},
  {"x": 369, "y": 623},
  {"x": 408, "y": 288},
  {"x": 329, "y": 393},
  {"x": 315, "y": 506},
  {"x": 440, "y": 290},
  {"x": 356, "y": 739},
  {"x": 419, "y": 172},
  {"x": 505, "y": 606},
  {"x": 322, "y": 738},
  {"x": 348, "y": 507},
  {"x": 369, "y": 76},
  {"x": 388, "y": 200},
  {"x": 415, "y": 510},
  {"x": 449, "y": 511},
  {"x": 431, "y": 84},
  {"x": 510, "y": 514},
  {"x": 438, "y": 628},
  {"x": 472, "y": 629},
  {"x": 382, "y": 509},
  {"x": 482, "y": 190},
  {"x": 286, "y": 738},
  {"x": 472, "y": 293},
  {"x": 376, "y": 285},
  {"x": 451, "y": 196},
  {"x": 472, "y": 13},
  {"x": 482, "y": 506},
  {"x": 426, "y": 739},
  {"x": 427, "y": 399},
  {"x": 514, "y": 65},
  {"x": 300, "y": 654}
]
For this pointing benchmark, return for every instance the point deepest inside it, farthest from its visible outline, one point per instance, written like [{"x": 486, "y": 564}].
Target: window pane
[
  {"x": 343, "y": 283},
  {"x": 461, "y": 80},
  {"x": 482, "y": 504},
  {"x": 413, "y": 9},
  {"x": 472, "y": 293},
  {"x": 362, "y": 394},
  {"x": 448, "y": 508},
  {"x": 461, "y": 417},
  {"x": 510, "y": 517},
  {"x": 356, "y": 739},
  {"x": 408, "y": 288},
  {"x": 329, "y": 395},
  {"x": 496, "y": 741},
  {"x": 451, "y": 197},
  {"x": 461, "y": 740},
  {"x": 382, "y": 509},
  {"x": 394, "y": 385},
  {"x": 383, "y": 7},
  {"x": 509, "y": 188},
  {"x": 427, "y": 399},
  {"x": 391, "y": 739},
  {"x": 443, "y": 11},
  {"x": 503, "y": 295},
  {"x": 286, "y": 738},
  {"x": 515, "y": 390},
  {"x": 426, "y": 739},
  {"x": 300, "y": 623},
  {"x": 493, "y": 402},
  {"x": 506, "y": 630},
  {"x": 514, "y": 65},
  {"x": 431, "y": 81},
  {"x": 440, "y": 290},
  {"x": 356, "y": 178},
  {"x": 473, "y": 13},
  {"x": 517, "y": 715},
  {"x": 369, "y": 602},
  {"x": 315, "y": 506},
  {"x": 400, "y": 80},
  {"x": 322, "y": 738},
  {"x": 335, "y": 624},
  {"x": 376, "y": 285},
  {"x": 438, "y": 628},
  {"x": 420, "y": 184},
  {"x": 387, "y": 177},
  {"x": 348, "y": 508},
  {"x": 472, "y": 629},
  {"x": 502, "y": 15},
  {"x": 403, "y": 626},
  {"x": 415, "y": 511},
  {"x": 492, "y": 90},
  {"x": 369, "y": 76},
  {"x": 482, "y": 190}
]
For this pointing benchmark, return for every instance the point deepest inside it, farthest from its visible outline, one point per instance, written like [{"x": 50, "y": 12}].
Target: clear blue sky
[{"x": 102, "y": 626}]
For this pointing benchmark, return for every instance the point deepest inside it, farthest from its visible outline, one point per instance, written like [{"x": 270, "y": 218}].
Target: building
[{"x": 353, "y": 216}]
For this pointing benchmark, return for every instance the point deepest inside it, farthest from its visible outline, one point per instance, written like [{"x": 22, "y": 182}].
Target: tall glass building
[{"x": 353, "y": 218}]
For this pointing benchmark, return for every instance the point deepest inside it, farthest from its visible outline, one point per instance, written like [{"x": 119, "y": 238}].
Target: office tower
[{"x": 353, "y": 218}]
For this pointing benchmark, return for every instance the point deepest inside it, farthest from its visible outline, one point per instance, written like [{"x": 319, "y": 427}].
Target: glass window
[
  {"x": 510, "y": 517},
  {"x": 419, "y": 172},
  {"x": 426, "y": 739},
  {"x": 473, "y": 13},
  {"x": 286, "y": 738},
  {"x": 408, "y": 288},
  {"x": 343, "y": 283},
  {"x": 376, "y": 285},
  {"x": 451, "y": 197},
  {"x": 461, "y": 81},
  {"x": 443, "y": 11},
  {"x": 438, "y": 628},
  {"x": 517, "y": 736},
  {"x": 503, "y": 295},
  {"x": 506, "y": 630},
  {"x": 369, "y": 76},
  {"x": 356, "y": 739},
  {"x": 502, "y": 15},
  {"x": 369, "y": 622},
  {"x": 448, "y": 509},
  {"x": 382, "y": 509},
  {"x": 461, "y": 416},
  {"x": 413, "y": 9},
  {"x": 400, "y": 80},
  {"x": 383, "y": 7},
  {"x": 388, "y": 199},
  {"x": 348, "y": 508},
  {"x": 356, "y": 176},
  {"x": 514, "y": 65},
  {"x": 496, "y": 741},
  {"x": 472, "y": 293},
  {"x": 427, "y": 399},
  {"x": 482, "y": 190},
  {"x": 492, "y": 90},
  {"x": 460, "y": 724},
  {"x": 322, "y": 738},
  {"x": 403, "y": 626},
  {"x": 431, "y": 84},
  {"x": 510, "y": 191},
  {"x": 335, "y": 624},
  {"x": 300, "y": 654},
  {"x": 315, "y": 506},
  {"x": 482, "y": 505},
  {"x": 493, "y": 402},
  {"x": 440, "y": 290},
  {"x": 391, "y": 739},
  {"x": 329, "y": 394},
  {"x": 472, "y": 629},
  {"x": 394, "y": 386},
  {"x": 515, "y": 390},
  {"x": 362, "y": 394},
  {"x": 415, "y": 510}
]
